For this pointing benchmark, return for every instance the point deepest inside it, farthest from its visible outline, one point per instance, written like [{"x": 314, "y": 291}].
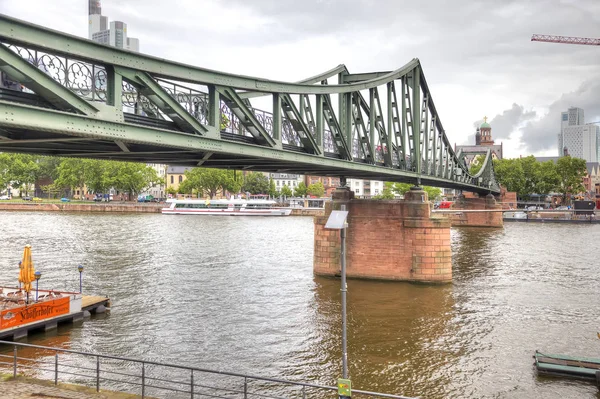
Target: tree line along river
[{"x": 238, "y": 294}]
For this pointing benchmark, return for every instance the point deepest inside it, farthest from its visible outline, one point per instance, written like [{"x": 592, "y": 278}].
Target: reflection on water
[{"x": 238, "y": 294}]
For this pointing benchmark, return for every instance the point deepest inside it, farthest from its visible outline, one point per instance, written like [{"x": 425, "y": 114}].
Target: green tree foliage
[
  {"x": 272, "y": 189},
  {"x": 71, "y": 173},
  {"x": 387, "y": 193},
  {"x": 23, "y": 171},
  {"x": 571, "y": 172},
  {"x": 171, "y": 191},
  {"x": 476, "y": 164},
  {"x": 316, "y": 189},
  {"x": 207, "y": 181},
  {"x": 526, "y": 176},
  {"x": 548, "y": 180},
  {"x": 286, "y": 191},
  {"x": 300, "y": 190},
  {"x": 433, "y": 193},
  {"x": 256, "y": 183},
  {"x": 5, "y": 162},
  {"x": 510, "y": 174},
  {"x": 131, "y": 177},
  {"x": 390, "y": 189}
]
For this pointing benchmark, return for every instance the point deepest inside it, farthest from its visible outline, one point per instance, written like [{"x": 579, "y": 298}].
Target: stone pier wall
[
  {"x": 478, "y": 219},
  {"x": 386, "y": 240}
]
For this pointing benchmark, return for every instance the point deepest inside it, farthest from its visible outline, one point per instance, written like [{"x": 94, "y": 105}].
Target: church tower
[{"x": 486, "y": 133}]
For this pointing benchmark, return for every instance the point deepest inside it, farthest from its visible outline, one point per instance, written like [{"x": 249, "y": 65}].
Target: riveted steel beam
[
  {"x": 29, "y": 118},
  {"x": 303, "y": 131},
  {"x": 36, "y": 80},
  {"x": 149, "y": 88},
  {"x": 247, "y": 118}
]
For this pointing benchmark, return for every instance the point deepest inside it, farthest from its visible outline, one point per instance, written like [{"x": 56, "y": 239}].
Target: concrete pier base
[{"x": 386, "y": 240}]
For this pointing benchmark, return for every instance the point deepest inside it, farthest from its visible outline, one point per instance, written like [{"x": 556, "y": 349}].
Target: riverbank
[
  {"x": 26, "y": 387},
  {"x": 112, "y": 207}
]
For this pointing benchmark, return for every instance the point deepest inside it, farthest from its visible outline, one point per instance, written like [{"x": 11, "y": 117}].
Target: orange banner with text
[{"x": 34, "y": 312}]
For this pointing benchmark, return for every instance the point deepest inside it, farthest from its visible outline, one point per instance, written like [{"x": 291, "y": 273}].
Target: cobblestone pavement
[{"x": 31, "y": 390}]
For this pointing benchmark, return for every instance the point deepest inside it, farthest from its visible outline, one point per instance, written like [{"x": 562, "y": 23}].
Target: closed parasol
[{"x": 27, "y": 273}]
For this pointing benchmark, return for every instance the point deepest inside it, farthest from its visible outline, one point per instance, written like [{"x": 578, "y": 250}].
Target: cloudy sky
[{"x": 476, "y": 54}]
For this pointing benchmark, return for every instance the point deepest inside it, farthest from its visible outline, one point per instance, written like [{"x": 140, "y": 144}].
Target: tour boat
[{"x": 232, "y": 207}]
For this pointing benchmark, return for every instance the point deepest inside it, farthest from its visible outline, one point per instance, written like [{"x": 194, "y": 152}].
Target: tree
[
  {"x": 256, "y": 183},
  {"x": 171, "y": 191},
  {"x": 571, "y": 172},
  {"x": 476, "y": 164},
  {"x": 22, "y": 171},
  {"x": 272, "y": 189},
  {"x": 510, "y": 174},
  {"x": 433, "y": 193},
  {"x": 71, "y": 173},
  {"x": 5, "y": 162},
  {"x": 316, "y": 189},
  {"x": 388, "y": 193},
  {"x": 286, "y": 191},
  {"x": 207, "y": 181},
  {"x": 300, "y": 190},
  {"x": 131, "y": 177},
  {"x": 51, "y": 189},
  {"x": 548, "y": 179}
]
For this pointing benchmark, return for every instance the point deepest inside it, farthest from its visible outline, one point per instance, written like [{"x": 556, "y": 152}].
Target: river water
[{"x": 238, "y": 294}]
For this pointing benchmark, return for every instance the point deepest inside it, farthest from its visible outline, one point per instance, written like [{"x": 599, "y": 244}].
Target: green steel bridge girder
[
  {"x": 79, "y": 135},
  {"x": 409, "y": 135}
]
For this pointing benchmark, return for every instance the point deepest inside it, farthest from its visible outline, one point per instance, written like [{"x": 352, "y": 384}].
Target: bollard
[
  {"x": 56, "y": 369},
  {"x": 15, "y": 363}
]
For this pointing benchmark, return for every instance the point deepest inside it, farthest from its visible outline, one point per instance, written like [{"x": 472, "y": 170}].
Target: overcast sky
[{"x": 477, "y": 55}]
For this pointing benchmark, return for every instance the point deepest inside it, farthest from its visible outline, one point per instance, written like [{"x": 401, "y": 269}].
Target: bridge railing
[{"x": 154, "y": 379}]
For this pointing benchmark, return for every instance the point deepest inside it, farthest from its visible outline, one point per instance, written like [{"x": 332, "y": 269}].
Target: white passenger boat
[{"x": 232, "y": 207}]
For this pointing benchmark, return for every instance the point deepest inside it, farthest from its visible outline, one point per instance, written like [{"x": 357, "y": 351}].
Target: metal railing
[{"x": 154, "y": 379}]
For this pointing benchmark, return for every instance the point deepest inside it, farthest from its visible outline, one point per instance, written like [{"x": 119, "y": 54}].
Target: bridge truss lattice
[{"x": 66, "y": 96}]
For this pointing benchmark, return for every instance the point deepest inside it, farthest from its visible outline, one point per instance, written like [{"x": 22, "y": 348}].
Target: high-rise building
[
  {"x": 572, "y": 117},
  {"x": 113, "y": 34},
  {"x": 576, "y": 138}
]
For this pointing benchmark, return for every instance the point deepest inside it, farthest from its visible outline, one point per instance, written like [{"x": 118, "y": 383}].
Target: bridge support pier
[
  {"x": 386, "y": 240},
  {"x": 477, "y": 219}
]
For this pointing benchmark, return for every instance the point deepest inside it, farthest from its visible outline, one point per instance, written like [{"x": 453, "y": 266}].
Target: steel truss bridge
[{"x": 67, "y": 96}]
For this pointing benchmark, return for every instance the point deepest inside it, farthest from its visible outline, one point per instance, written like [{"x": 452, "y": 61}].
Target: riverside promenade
[
  {"x": 28, "y": 388},
  {"x": 112, "y": 207}
]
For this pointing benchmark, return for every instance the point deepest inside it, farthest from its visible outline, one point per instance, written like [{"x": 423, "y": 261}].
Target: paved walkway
[{"x": 32, "y": 389}]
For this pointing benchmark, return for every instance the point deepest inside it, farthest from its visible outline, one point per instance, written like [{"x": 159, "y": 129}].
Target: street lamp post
[
  {"x": 337, "y": 221},
  {"x": 37, "y": 275},
  {"x": 80, "y": 268}
]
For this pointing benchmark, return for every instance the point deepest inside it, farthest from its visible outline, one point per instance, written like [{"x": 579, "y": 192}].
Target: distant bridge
[{"x": 67, "y": 96}]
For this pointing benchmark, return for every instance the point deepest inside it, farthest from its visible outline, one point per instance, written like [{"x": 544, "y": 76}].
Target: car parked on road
[
  {"x": 4, "y": 197},
  {"x": 27, "y": 198}
]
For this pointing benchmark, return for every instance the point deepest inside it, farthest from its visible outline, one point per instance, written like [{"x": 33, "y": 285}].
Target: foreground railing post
[
  {"x": 143, "y": 380},
  {"x": 304, "y": 392},
  {"x": 56, "y": 369},
  {"x": 15, "y": 362},
  {"x": 245, "y": 388},
  {"x": 97, "y": 373},
  {"x": 192, "y": 383}
]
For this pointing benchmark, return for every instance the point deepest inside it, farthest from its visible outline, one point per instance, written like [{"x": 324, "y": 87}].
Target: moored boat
[
  {"x": 567, "y": 366},
  {"x": 232, "y": 207}
]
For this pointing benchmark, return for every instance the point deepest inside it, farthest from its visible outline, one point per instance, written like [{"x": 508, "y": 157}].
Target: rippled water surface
[{"x": 238, "y": 294}]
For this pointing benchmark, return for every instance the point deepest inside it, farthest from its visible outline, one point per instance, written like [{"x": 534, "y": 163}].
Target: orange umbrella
[{"x": 27, "y": 273}]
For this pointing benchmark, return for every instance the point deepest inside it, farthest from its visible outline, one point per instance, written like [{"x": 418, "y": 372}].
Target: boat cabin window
[{"x": 202, "y": 206}]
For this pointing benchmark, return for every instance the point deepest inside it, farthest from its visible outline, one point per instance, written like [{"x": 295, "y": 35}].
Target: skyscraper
[
  {"x": 115, "y": 35},
  {"x": 572, "y": 117},
  {"x": 576, "y": 138}
]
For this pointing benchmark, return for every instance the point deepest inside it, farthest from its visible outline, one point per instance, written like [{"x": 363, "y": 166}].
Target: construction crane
[{"x": 588, "y": 41}]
